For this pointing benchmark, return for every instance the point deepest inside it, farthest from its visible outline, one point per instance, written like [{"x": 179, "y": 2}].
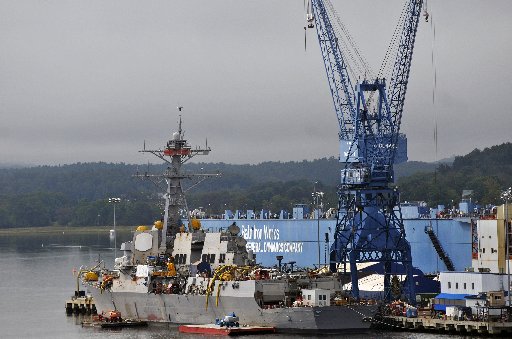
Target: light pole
[
  {"x": 316, "y": 198},
  {"x": 506, "y": 195},
  {"x": 115, "y": 201}
]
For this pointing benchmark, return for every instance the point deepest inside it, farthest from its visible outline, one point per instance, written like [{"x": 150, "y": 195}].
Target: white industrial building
[
  {"x": 486, "y": 283},
  {"x": 472, "y": 283},
  {"x": 491, "y": 246}
]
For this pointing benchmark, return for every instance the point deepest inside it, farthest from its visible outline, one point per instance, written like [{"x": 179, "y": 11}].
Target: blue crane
[{"x": 369, "y": 226}]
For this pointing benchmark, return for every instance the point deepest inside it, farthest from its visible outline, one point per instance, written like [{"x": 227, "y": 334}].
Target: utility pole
[
  {"x": 317, "y": 204},
  {"x": 506, "y": 195},
  {"x": 115, "y": 201}
]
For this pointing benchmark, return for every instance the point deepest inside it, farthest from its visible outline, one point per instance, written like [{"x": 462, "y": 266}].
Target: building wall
[
  {"x": 470, "y": 282},
  {"x": 491, "y": 246},
  {"x": 488, "y": 243},
  {"x": 296, "y": 240},
  {"x": 454, "y": 236}
]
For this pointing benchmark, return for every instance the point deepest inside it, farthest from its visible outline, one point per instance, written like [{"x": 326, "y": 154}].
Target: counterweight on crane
[{"x": 369, "y": 226}]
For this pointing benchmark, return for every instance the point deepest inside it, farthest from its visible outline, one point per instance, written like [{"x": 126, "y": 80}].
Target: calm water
[{"x": 37, "y": 277}]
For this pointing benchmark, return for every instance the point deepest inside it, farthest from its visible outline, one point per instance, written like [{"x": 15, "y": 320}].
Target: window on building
[
  {"x": 309, "y": 296},
  {"x": 483, "y": 250},
  {"x": 472, "y": 286},
  {"x": 180, "y": 259},
  {"x": 449, "y": 284},
  {"x": 464, "y": 285},
  {"x": 456, "y": 286},
  {"x": 208, "y": 258}
]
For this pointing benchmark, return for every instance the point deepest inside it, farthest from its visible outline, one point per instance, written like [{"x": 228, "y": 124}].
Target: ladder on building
[{"x": 439, "y": 249}]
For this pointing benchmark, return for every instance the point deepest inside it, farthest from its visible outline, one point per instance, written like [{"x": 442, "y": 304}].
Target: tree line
[
  {"x": 77, "y": 194},
  {"x": 486, "y": 172}
]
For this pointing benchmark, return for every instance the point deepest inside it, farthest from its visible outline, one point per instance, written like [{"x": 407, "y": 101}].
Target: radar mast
[{"x": 176, "y": 152}]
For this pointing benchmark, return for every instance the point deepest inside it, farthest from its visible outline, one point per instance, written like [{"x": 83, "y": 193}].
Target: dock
[
  {"x": 80, "y": 305},
  {"x": 213, "y": 329},
  {"x": 423, "y": 324}
]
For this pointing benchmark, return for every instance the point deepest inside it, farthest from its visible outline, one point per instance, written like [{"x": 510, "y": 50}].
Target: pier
[
  {"x": 80, "y": 304},
  {"x": 444, "y": 325}
]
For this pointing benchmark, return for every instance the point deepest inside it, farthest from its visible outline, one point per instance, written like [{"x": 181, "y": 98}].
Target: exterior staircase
[{"x": 439, "y": 249}]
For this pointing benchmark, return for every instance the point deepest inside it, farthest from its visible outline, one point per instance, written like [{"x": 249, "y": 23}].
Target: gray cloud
[{"x": 90, "y": 80}]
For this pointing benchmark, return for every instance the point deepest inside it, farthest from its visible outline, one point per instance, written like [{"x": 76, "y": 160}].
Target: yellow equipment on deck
[{"x": 195, "y": 224}]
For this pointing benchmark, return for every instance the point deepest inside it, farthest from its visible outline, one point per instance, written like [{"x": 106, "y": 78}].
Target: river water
[{"x": 37, "y": 278}]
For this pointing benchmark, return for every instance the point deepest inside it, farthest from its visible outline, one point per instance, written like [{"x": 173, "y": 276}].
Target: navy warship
[{"x": 185, "y": 275}]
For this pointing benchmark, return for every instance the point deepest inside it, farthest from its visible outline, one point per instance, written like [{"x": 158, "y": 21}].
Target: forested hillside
[
  {"x": 486, "y": 172},
  {"x": 77, "y": 194}
]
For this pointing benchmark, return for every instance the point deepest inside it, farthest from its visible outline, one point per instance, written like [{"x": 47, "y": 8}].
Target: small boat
[
  {"x": 112, "y": 319},
  {"x": 117, "y": 324},
  {"x": 213, "y": 329}
]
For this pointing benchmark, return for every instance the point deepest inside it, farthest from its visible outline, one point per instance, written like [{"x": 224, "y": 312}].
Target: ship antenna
[{"x": 179, "y": 129}]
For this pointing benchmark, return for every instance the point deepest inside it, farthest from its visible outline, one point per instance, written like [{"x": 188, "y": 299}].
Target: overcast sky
[{"x": 85, "y": 81}]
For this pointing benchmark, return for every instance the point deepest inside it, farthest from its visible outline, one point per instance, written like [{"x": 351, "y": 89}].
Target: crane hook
[
  {"x": 305, "y": 38},
  {"x": 425, "y": 11},
  {"x": 309, "y": 14}
]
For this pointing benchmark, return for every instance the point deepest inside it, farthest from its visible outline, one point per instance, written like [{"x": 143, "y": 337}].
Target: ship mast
[{"x": 176, "y": 152}]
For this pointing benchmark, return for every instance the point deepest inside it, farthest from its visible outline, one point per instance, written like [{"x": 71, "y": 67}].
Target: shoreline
[{"x": 62, "y": 229}]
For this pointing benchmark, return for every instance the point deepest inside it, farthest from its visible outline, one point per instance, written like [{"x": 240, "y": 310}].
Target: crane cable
[
  {"x": 394, "y": 41},
  {"x": 350, "y": 45},
  {"x": 353, "y": 67},
  {"x": 429, "y": 17},
  {"x": 434, "y": 75},
  {"x": 391, "y": 47}
]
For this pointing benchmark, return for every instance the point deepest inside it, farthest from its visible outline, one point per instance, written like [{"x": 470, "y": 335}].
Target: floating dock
[
  {"x": 213, "y": 329},
  {"x": 445, "y": 325}
]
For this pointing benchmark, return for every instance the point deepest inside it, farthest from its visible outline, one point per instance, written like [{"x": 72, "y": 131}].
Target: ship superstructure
[{"x": 176, "y": 152}]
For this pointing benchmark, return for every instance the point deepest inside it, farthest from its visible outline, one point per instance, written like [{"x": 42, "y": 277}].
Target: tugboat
[{"x": 179, "y": 273}]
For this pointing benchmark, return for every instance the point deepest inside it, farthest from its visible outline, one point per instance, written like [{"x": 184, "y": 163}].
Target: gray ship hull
[{"x": 192, "y": 309}]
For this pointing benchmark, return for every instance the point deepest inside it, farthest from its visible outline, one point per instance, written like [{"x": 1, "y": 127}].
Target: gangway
[{"x": 439, "y": 248}]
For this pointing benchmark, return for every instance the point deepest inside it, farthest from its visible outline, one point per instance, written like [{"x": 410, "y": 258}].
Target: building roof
[{"x": 452, "y": 296}]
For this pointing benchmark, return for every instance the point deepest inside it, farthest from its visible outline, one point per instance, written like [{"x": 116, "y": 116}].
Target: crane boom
[
  {"x": 403, "y": 61},
  {"x": 342, "y": 90}
]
